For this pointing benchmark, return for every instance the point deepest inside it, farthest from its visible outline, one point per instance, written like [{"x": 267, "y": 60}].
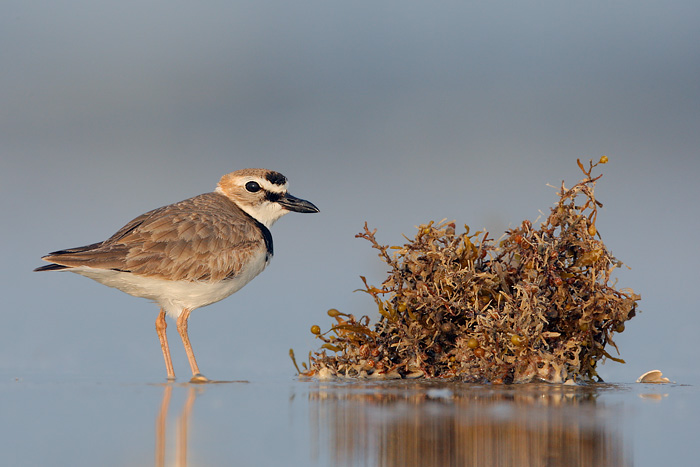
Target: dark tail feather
[
  {"x": 51, "y": 267},
  {"x": 68, "y": 251},
  {"x": 79, "y": 249}
]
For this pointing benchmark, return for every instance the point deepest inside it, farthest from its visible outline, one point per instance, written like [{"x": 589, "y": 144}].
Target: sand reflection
[{"x": 449, "y": 424}]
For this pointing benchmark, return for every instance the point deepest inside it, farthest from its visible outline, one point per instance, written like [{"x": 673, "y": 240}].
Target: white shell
[{"x": 653, "y": 376}]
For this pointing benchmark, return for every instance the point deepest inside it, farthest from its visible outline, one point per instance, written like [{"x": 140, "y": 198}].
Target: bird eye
[{"x": 253, "y": 187}]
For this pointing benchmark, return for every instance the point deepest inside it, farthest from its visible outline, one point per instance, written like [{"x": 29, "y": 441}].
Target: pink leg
[
  {"x": 197, "y": 377},
  {"x": 161, "y": 326}
]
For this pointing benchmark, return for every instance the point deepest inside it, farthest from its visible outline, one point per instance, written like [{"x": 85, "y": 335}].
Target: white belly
[{"x": 174, "y": 296}]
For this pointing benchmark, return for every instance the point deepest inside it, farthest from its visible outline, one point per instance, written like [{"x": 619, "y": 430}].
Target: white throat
[{"x": 266, "y": 213}]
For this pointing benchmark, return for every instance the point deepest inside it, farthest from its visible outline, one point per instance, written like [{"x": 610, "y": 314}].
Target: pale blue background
[{"x": 394, "y": 113}]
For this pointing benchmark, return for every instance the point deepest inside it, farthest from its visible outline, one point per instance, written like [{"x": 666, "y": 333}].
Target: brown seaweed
[{"x": 538, "y": 305}]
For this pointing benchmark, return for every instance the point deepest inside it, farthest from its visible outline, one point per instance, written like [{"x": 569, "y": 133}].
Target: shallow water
[{"x": 289, "y": 422}]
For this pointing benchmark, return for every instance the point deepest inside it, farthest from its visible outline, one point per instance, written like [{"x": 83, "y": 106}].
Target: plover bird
[{"x": 190, "y": 254}]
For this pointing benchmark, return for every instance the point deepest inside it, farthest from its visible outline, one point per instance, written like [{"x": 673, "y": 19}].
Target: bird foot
[{"x": 199, "y": 379}]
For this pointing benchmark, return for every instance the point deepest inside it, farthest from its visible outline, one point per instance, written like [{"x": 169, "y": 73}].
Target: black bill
[{"x": 292, "y": 203}]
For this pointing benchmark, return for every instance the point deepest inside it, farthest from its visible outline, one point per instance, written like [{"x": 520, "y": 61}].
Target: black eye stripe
[
  {"x": 252, "y": 187},
  {"x": 272, "y": 197}
]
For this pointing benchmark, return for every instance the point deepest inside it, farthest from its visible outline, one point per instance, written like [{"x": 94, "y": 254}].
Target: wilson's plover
[{"x": 190, "y": 254}]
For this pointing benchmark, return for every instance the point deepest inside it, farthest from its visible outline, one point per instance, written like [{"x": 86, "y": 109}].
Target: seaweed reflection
[{"x": 449, "y": 424}]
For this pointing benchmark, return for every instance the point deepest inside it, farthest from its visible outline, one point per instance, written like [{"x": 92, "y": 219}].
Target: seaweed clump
[{"x": 536, "y": 306}]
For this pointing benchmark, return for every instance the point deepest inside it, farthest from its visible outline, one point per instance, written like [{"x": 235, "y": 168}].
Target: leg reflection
[
  {"x": 182, "y": 427},
  {"x": 160, "y": 426}
]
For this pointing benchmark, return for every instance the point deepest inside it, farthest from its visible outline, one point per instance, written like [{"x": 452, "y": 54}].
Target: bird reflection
[
  {"x": 411, "y": 424},
  {"x": 182, "y": 426}
]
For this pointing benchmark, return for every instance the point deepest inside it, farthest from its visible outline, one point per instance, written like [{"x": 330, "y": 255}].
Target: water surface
[{"x": 289, "y": 422}]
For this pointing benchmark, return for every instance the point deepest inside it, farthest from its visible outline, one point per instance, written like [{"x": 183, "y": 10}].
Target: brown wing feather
[{"x": 204, "y": 238}]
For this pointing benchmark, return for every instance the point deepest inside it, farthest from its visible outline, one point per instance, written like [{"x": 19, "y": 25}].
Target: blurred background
[{"x": 394, "y": 113}]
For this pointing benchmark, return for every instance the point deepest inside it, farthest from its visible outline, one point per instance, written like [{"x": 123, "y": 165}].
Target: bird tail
[{"x": 55, "y": 255}]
